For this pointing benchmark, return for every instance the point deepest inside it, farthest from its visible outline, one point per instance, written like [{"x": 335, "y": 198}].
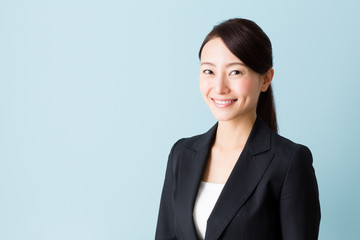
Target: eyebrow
[{"x": 228, "y": 65}]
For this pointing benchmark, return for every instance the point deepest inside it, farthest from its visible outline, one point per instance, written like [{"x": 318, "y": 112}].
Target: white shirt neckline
[{"x": 206, "y": 199}]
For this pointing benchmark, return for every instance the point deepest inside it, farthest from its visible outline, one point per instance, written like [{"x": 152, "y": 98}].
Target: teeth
[{"x": 223, "y": 102}]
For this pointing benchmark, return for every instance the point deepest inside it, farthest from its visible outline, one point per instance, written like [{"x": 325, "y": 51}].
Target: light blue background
[{"x": 94, "y": 93}]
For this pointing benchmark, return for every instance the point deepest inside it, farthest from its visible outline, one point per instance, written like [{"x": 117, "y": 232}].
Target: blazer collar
[
  {"x": 258, "y": 140},
  {"x": 242, "y": 181}
]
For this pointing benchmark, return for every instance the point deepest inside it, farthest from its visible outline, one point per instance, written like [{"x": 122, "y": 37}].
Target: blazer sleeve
[
  {"x": 299, "y": 202},
  {"x": 165, "y": 224}
]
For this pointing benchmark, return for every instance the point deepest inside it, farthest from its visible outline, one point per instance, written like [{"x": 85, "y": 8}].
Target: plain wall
[{"x": 94, "y": 93}]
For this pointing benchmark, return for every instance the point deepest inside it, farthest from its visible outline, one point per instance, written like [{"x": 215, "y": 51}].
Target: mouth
[{"x": 222, "y": 103}]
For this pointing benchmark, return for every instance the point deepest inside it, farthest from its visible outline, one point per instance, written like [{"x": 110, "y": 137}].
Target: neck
[{"x": 233, "y": 134}]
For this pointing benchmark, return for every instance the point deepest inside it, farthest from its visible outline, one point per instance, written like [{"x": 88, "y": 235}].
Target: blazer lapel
[
  {"x": 243, "y": 179},
  {"x": 190, "y": 168}
]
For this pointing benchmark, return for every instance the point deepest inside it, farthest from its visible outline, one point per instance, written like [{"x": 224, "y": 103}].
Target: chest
[{"x": 220, "y": 164}]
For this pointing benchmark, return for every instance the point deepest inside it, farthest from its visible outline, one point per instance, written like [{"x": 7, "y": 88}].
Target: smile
[{"x": 223, "y": 103}]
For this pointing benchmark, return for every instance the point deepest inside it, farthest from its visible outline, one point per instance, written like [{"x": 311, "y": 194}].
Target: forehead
[{"x": 215, "y": 51}]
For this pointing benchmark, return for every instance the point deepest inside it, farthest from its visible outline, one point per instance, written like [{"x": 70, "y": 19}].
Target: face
[{"x": 229, "y": 88}]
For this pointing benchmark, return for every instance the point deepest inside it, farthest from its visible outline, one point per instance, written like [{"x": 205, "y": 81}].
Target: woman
[{"x": 239, "y": 180}]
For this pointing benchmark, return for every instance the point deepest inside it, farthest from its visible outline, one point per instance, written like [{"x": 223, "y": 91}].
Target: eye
[
  {"x": 207, "y": 71},
  {"x": 236, "y": 72}
]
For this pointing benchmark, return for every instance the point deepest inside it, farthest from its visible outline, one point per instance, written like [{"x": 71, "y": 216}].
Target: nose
[{"x": 221, "y": 85}]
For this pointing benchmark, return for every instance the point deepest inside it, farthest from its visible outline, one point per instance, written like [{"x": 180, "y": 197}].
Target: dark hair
[{"x": 247, "y": 41}]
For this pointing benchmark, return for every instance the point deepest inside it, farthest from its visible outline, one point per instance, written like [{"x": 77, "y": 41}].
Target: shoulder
[
  {"x": 290, "y": 152},
  {"x": 196, "y": 142},
  {"x": 190, "y": 143},
  {"x": 281, "y": 143}
]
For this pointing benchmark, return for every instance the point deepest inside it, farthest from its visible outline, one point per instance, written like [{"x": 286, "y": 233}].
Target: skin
[{"x": 224, "y": 76}]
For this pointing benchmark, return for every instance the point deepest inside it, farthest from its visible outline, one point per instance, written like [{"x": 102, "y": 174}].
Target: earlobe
[{"x": 267, "y": 78}]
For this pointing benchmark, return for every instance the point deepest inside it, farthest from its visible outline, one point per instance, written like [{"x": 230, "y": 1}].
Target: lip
[{"x": 223, "y": 103}]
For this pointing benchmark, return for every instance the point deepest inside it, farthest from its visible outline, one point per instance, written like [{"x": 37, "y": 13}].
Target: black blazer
[{"x": 271, "y": 193}]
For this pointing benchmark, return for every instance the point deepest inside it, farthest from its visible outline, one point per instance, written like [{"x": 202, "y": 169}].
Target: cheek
[
  {"x": 247, "y": 86},
  {"x": 204, "y": 86}
]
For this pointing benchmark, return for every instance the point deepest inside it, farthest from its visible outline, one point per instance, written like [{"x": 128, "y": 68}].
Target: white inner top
[{"x": 207, "y": 196}]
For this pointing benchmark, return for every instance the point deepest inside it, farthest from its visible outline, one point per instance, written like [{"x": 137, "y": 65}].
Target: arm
[
  {"x": 299, "y": 202},
  {"x": 165, "y": 224}
]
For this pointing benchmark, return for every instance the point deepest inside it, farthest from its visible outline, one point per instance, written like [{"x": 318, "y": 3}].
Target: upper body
[
  {"x": 271, "y": 192},
  {"x": 270, "y": 189}
]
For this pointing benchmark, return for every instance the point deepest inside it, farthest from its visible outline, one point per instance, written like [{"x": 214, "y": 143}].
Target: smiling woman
[
  {"x": 226, "y": 81},
  {"x": 239, "y": 180}
]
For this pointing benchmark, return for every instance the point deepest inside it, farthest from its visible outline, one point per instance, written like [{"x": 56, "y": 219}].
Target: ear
[{"x": 266, "y": 79}]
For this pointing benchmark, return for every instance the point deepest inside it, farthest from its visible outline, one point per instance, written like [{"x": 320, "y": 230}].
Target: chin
[
  {"x": 230, "y": 116},
  {"x": 223, "y": 117}
]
